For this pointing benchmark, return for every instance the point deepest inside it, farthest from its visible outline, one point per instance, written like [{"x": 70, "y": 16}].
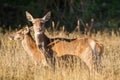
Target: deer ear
[
  {"x": 29, "y": 16},
  {"x": 31, "y": 28},
  {"x": 47, "y": 17},
  {"x": 26, "y": 30}
]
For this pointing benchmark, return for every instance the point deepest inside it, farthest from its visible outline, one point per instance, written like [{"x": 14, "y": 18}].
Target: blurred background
[{"x": 106, "y": 13}]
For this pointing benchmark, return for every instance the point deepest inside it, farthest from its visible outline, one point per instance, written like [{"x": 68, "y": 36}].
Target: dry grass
[{"x": 15, "y": 64}]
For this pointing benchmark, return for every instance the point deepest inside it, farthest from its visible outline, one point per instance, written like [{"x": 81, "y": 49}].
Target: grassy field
[{"x": 15, "y": 64}]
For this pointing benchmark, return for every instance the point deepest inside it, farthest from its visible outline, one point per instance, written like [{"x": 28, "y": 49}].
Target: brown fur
[
  {"x": 29, "y": 45},
  {"x": 85, "y": 48}
]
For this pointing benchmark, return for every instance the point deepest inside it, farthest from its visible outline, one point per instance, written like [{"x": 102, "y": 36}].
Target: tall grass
[{"x": 15, "y": 64}]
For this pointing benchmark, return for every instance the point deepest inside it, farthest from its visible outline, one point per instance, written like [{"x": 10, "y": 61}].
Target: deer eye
[
  {"x": 41, "y": 23},
  {"x": 18, "y": 33}
]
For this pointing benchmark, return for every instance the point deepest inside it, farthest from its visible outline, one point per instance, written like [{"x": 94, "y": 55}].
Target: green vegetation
[
  {"x": 15, "y": 64},
  {"x": 64, "y": 12}
]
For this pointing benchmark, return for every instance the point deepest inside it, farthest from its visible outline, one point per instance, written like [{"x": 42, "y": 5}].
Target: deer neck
[
  {"x": 41, "y": 39},
  {"x": 28, "y": 44}
]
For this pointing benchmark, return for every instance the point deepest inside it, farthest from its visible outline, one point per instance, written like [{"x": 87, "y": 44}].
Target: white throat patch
[{"x": 37, "y": 32}]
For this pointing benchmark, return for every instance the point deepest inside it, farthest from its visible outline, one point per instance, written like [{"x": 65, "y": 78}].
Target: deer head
[
  {"x": 19, "y": 35},
  {"x": 38, "y": 23}
]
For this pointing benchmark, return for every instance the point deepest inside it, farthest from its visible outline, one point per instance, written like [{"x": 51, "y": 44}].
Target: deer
[
  {"x": 29, "y": 45},
  {"x": 32, "y": 49},
  {"x": 84, "y": 48}
]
